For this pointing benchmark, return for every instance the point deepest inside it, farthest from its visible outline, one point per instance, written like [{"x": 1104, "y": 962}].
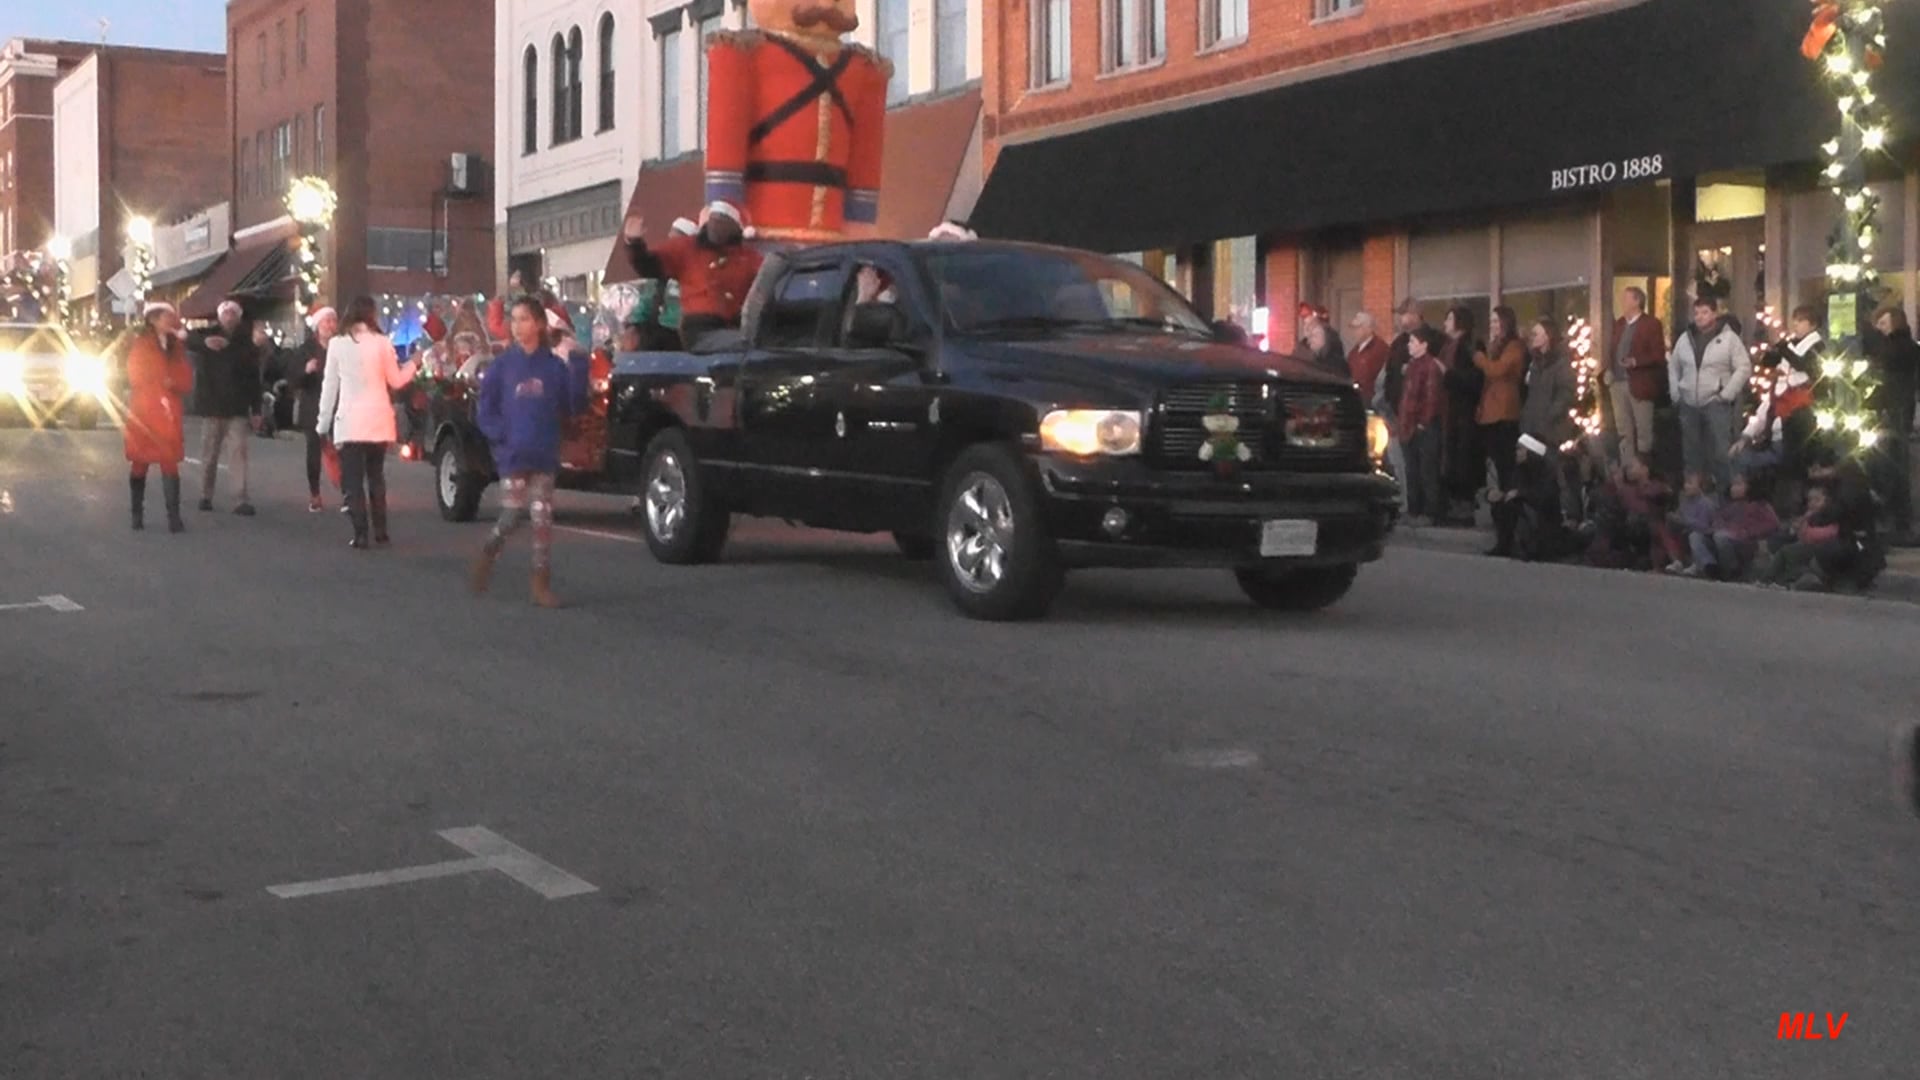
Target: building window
[
  {"x": 530, "y": 101},
  {"x": 670, "y": 94},
  {"x": 1135, "y": 33},
  {"x": 1331, "y": 9},
  {"x": 299, "y": 143},
  {"x": 576, "y": 102},
  {"x": 246, "y": 168},
  {"x": 950, "y": 32},
  {"x": 606, "y": 72},
  {"x": 280, "y": 46},
  {"x": 1223, "y": 21},
  {"x": 260, "y": 53},
  {"x": 320, "y": 139},
  {"x": 890, "y": 37},
  {"x": 1052, "y": 42},
  {"x": 260, "y": 175},
  {"x": 415, "y": 250},
  {"x": 300, "y": 38},
  {"x": 706, "y": 28}
]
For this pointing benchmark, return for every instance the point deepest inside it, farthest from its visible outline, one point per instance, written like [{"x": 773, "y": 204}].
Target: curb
[{"x": 1896, "y": 586}]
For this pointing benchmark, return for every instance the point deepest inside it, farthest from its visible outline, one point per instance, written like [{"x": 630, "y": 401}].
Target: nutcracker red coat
[
  {"x": 795, "y": 121},
  {"x": 158, "y": 379}
]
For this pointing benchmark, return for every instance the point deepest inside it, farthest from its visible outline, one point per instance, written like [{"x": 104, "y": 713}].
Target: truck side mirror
[{"x": 876, "y": 326}]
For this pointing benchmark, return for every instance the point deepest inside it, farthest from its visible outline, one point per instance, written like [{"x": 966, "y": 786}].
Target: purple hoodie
[{"x": 524, "y": 403}]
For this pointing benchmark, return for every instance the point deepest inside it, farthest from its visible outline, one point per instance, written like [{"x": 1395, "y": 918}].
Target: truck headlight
[
  {"x": 1087, "y": 432},
  {"x": 13, "y": 374},
  {"x": 86, "y": 374},
  {"x": 1379, "y": 437}
]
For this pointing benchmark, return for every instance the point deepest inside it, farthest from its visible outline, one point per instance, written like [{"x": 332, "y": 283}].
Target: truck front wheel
[
  {"x": 683, "y": 526},
  {"x": 995, "y": 554}
]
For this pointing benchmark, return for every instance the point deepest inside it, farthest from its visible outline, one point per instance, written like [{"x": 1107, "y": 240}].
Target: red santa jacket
[
  {"x": 713, "y": 281},
  {"x": 794, "y": 132}
]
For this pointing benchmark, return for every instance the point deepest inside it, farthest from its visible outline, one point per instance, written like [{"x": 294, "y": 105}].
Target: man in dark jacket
[
  {"x": 1896, "y": 369},
  {"x": 226, "y": 391}
]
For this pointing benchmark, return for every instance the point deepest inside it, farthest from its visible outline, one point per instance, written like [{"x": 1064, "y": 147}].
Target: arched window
[
  {"x": 530, "y": 120},
  {"x": 606, "y": 72},
  {"x": 560, "y": 110},
  {"x": 576, "y": 52}
]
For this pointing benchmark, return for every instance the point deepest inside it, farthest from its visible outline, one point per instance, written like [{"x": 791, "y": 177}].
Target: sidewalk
[{"x": 1899, "y": 582}]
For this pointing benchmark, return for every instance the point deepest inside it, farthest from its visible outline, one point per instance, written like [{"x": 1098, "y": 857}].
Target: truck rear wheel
[
  {"x": 455, "y": 488},
  {"x": 1308, "y": 589},
  {"x": 683, "y": 526},
  {"x": 996, "y": 557}
]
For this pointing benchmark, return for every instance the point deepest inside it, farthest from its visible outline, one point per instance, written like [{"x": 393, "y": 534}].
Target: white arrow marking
[
  {"x": 491, "y": 851},
  {"x": 52, "y": 603}
]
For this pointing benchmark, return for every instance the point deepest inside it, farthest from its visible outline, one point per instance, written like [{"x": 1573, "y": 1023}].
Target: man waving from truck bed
[{"x": 715, "y": 268}]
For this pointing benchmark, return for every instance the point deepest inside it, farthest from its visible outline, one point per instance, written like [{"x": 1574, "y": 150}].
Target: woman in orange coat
[
  {"x": 1504, "y": 365},
  {"x": 158, "y": 379}
]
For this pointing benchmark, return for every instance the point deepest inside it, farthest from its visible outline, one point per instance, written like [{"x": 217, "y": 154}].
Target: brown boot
[
  {"x": 481, "y": 576},
  {"x": 543, "y": 589}
]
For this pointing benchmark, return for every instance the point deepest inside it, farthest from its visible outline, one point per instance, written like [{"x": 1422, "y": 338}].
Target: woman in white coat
[{"x": 356, "y": 407}]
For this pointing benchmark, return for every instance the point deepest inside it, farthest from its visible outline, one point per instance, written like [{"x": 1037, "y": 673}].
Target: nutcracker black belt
[{"x": 812, "y": 173}]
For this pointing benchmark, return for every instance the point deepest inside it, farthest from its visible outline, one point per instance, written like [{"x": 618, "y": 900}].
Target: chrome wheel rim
[
  {"x": 980, "y": 533},
  {"x": 449, "y": 479},
  {"x": 666, "y": 496}
]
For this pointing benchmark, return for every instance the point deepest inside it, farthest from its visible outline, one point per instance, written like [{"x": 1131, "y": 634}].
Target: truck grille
[{"x": 1329, "y": 424}]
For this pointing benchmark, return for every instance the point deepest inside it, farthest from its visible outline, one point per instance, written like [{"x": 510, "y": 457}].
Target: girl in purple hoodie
[
  {"x": 1739, "y": 529},
  {"x": 526, "y": 398}
]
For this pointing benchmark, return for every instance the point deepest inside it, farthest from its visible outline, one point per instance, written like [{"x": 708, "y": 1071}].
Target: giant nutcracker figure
[{"x": 795, "y": 120}]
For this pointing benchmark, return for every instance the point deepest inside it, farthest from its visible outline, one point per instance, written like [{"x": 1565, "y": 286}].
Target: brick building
[
  {"x": 1544, "y": 154},
  {"x": 28, "y": 71},
  {"x": 137, "y": 133},
  {"x": 378, "y": 97}
]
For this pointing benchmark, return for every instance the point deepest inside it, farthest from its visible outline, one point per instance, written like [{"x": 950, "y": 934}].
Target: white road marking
[
  {"x": 599, "y": 534},
  {"x": 1231, "y": 758},
  {"x": 51, "y": 603},
  {"x": 490, "y": 851}
]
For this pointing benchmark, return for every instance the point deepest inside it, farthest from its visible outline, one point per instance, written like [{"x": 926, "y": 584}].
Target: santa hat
[
  {"x": 234, "y": 304},
  {"x": 684, "y": 227},
  {"x": 319, "y": 314},
  {"x": 948, "y": 230},
  {"x": 155, "y": 307},
  {"x": 726, "y": 209}
]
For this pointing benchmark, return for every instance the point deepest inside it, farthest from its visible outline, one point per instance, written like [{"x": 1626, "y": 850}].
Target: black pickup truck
[{"x": 1010, "y": 411}]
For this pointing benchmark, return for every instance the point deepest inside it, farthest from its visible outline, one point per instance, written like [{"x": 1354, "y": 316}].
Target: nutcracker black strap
[
  {"x": 825, "y": 82},
  {"x": 814, "y": 173}
]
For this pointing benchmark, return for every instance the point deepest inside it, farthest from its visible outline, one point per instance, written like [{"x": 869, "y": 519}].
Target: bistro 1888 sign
[{"x": 1575, "y": 177}]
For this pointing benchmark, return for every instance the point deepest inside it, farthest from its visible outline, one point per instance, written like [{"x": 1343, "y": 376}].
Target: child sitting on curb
[
  {"x": 1630, "y": 504},
  {"x": 1793, "y": 562},
  {"x": 1728, "y": 549},
  {"x": 1694, "y": 516}
]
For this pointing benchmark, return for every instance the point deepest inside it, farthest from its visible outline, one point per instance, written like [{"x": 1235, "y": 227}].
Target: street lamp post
[
  {"x": 60, "y": 250},
  {"x": 140, "y": 236}
]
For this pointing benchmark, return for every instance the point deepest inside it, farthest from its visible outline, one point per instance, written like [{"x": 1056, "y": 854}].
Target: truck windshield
[{"x": 987, "y": 291}]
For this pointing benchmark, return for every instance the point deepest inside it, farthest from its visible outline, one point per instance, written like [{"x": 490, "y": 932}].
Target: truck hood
[{"x": 1143, "y": 363}]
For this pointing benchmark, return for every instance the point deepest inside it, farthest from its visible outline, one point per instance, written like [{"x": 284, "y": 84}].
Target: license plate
[{"x": 1279, "y": 539}]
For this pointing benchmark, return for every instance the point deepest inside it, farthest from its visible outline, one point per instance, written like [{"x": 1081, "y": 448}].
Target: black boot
[
  {"x": 170, "y": 488},
  {"x": 137, "y": 488},
  {"x": 357, "y": 512},
  {"x": 1506, "y": 518}
]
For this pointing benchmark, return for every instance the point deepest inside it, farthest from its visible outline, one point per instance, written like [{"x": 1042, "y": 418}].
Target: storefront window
[
  {"x": 1234, "y": 296},
  {"x": 1451, "y": 269}
]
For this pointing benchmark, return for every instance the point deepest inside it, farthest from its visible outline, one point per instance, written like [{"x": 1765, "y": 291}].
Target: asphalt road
[{"x": 1482, "y": 820}]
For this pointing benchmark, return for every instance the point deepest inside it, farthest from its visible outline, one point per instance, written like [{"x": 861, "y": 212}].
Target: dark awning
[
  {"x": 259, "y": 267},
  {"x": 186, "y": 271},
  {"x": 1705, "y": 85}
]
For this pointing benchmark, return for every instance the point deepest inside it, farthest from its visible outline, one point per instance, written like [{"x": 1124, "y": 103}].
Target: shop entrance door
[{"x": 1727, "y": 264}]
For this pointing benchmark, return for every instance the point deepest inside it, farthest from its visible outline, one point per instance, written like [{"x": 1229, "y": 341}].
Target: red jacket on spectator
[
  {"x": 1747, "y": 519},
  {"x": 1424, "y": 402},
  {"x": 1366, "y": 362}
]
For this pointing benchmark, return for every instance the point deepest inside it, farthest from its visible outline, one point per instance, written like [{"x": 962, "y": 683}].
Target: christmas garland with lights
[
  {"x": 1586, "y": 374},
  {"x": 1848, "y": 40},
  {"x": 311, "y": 203}
]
